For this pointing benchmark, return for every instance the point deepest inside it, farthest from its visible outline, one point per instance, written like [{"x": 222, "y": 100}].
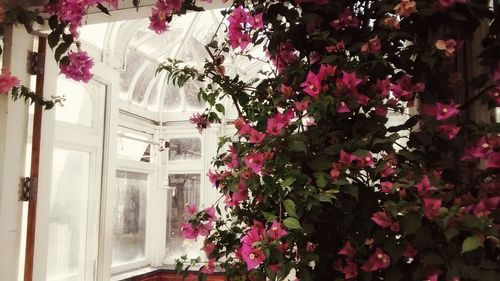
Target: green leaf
[
  {"x": 410, "y": 223},
  {"x": 219, "y": 107},
  {"x": 320, "y": 164},
  {"x": 53, "y": 39},
  {"x": 451, "y": 233},
  {"x": 61, "y": 49},
  {"x": 270, "y": 217},
  {"x": 470, "y": 243},
  {"x": 351, "y": 190},
  {"x": 292, "y": 223},
  {"x": 289, "y": 206},
  {"x": 103, "y": 9},
  {"x": 288, "y": 181}
]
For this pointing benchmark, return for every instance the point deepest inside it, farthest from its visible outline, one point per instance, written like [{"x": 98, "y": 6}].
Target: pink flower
[
  {"x": 493, "y": 160},
  {"x": 312, "y": 85},
  {"x": 301, "y": 106},
  {"x": 342, "y": 108},
  {"x": 378, "y": 260},
  {"x": 188, "y": 232},
  {"x": 350, "y": 270},
  {"x": 254, "y": 235},
  {"x": 448, "y": 46},
  {"x": 347, "y": 250},
  {"x": 276, "y": 231},
  {"x": 448, "y": 130},
  {"x": 373, "y": 46},
  {"x": 158, "y": 21},
  {"x": 209, "y": 268},
  {"x": 346, "y": 159},
  {"x": 210, "y": 214},
  {"x": 406, "y": 8},
  {"x": 404, "y": 89},
  {"x": 365, "y": 161},
  {"x": 386, "y": 186},
  {"x": 200, "y": 120},
  {"x": 208, "y": 248},
  {"x": 449, "y": 3},
  {"x": 78, "y": 66},
  {"x": 445, "y": 111},
  {"x": 387, "y": 171},
  {"x": 7, "y": 81},
  {"x": 424, "y": 187},
  {"x": 310, "y": 247},
  {"x": 431, "y": 208},
  {"x": 486, "y": 206},
  {"x": 334, "y": 173},
  {"x": 380, "y": 111},
  {"x": 410, "y": 251},
  {"x": 252, "y": 257},
  {"x": 254, "y": 161},
  {"x": 495, "y": 94},
  {"x": 256, "y": 21},
  {"x": 274, "y": 126},
  {"x": 256, "y": 136},
  {"x": 383, "y": 220},
  {"x": 326, "y": 71},
  {"x": 285, "y": 56},
  {"x": 346, "y": 19},
  {"x": 191, "y": 209},
  {"x": 349, "y": 82}
]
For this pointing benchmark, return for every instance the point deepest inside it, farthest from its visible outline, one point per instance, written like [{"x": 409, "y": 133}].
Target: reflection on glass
[
  {"x": 129, "y": 228},
  {"x": 184, "y": 188},
  {"x": 184, "y": 149},
  {"x": 68, "y": 215},
  {"x": 77, "y": 108},
  {"x": 136, "y": 147}
]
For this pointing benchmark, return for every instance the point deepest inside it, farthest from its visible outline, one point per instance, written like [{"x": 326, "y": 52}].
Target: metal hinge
[
  {"x": 24, "y": 188},
  {"x": 35, "y": 63}
]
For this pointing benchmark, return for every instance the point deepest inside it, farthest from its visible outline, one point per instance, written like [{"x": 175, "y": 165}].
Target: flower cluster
[
  {"x": 7, "y": 81},
  {"x": 162, "y": 13},
  {"x": 78, "y": 66},
  {"x": 241, "y": 23}
]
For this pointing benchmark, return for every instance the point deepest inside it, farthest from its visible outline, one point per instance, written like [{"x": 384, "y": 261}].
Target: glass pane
[
  {"x": 77, "y": 107},
  {"x": 184, "y": 188},
  {"x": 129, "y": 228},
  {"x": 134, "y": 147},
  {"x": 173, "y": 100},
  {"x": 94, "y": 34},
  {"x": 143, "y": 81},
  {"x": 191, "y": 91},
  {"x": 68, "y": 215},
  {"x": 185, "y": 148},
  {"x": 132, "y": 65}
]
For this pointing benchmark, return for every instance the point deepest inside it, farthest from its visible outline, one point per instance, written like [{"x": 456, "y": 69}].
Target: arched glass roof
[{"x": 139, "y": 50}]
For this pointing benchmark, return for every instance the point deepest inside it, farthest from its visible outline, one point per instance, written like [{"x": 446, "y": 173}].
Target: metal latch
[{"x": 24, "y": 188}]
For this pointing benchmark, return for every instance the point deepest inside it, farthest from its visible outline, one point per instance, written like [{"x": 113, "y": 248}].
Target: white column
[{"x": 13, "y": 136}]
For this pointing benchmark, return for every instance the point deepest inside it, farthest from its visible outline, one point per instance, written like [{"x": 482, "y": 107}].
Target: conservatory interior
[{"x": 118, "y": 161}]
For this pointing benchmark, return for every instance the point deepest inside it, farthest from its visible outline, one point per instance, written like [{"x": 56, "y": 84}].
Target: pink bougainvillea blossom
[
  {"x": 78, "y": 66},
  {"x": 350, "y": 270},
  {"x": 410, "y": 251},
  {"x": 254, "y": 161},
  {"x": 424, "y": 187},
  {"x": 405, "y": 8},
  {"x": 448, "y": 130},
  {"x": 383, "y": 220},
  {"x": 312, "y": 85},
  {"x": 276, "y": 231},
  {"x": 188, "y": 232},
  {"x": 378, "y": 260},
  {"x": 346, "y": 19},
  {"x": 431, "y": 207},
  {"x": 372, "y": 46},
  {"x": 201, "y": 121},
  {"x": 209, "y": 268},
  {"x": 7, "y": 81},
  {"x": 191, "y": 209},
  {"x": 252, "y": 257},
  {"x": 448, "y": 46},
  {"x": 347, "y": 250}
]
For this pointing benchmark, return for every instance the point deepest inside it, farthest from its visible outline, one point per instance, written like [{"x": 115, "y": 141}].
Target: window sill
[{"x": 164, "y": 273}]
